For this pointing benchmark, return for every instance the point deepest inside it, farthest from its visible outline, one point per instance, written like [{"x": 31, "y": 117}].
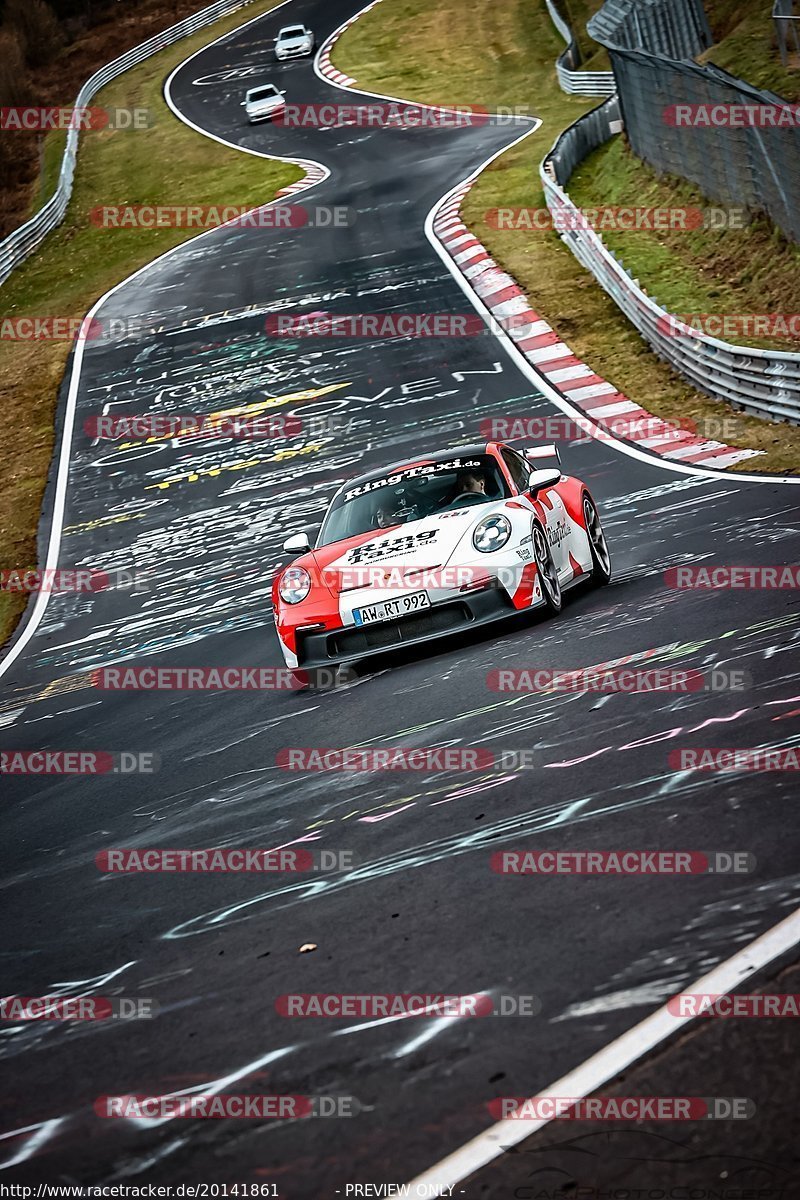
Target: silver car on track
[
  {"x": 294, "y": 41},
  {"x": 263, "y": 103}
]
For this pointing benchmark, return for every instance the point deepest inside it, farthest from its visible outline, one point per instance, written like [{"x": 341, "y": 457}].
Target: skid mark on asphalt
[
  {"x": 655, "y": 789},
  {"x": 737, "y": 919}
]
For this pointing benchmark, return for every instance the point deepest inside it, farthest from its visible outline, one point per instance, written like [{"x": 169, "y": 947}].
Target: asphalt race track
[{"x": 203, "y": 524}]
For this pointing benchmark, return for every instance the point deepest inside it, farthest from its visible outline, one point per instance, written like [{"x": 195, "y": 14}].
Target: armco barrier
[
  {"x": 763, "y": 382},
  {"x": 577, "y": 83},
  {"x": 19, "y": 244}
]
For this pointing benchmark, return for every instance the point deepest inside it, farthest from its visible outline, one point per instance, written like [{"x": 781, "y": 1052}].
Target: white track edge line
[
  {"x": 33, "y": 617},
  {"x": 607, "y": 1063}
]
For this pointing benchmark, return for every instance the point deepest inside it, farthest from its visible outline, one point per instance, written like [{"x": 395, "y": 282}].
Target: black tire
[
  {"x": 546, "y": 569},
  {"x": 601, "y": 557}
]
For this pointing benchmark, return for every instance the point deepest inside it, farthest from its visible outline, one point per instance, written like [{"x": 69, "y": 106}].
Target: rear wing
[{"x": 534, "y": 454}]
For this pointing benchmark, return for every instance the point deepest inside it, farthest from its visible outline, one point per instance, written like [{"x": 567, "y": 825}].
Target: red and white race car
[{"x": 422, "y": 549}]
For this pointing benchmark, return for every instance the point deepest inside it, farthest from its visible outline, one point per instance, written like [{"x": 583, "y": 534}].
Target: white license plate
[{"x": 387, "y": 609}]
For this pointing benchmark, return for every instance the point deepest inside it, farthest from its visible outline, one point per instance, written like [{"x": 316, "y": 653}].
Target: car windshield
[
  {"x": 268, "y": 92},
  {"x": 412, "y": 493},
  {"x": 295, "y": 31}
]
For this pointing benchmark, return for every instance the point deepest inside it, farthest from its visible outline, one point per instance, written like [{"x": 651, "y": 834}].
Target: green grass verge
[
  {"x": 503, "y": 53},
  {"x": 747, "y": 46},
  {"x": 167, "y": 163}
]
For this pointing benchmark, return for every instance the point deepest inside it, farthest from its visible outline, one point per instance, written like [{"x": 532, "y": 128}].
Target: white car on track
[
  {"x": 263, "y": 103},
  {"x": 425, "y": 548},
  {"x": 294, "y": 41}
]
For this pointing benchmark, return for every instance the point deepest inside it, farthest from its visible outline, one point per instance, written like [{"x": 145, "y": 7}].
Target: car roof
[
  {"x": 290, "y": 29},
  {"x": 403, "y": 463}
]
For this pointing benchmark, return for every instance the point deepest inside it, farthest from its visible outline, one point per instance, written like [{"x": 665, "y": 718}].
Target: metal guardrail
[
  {"x": 24, "y": 240},
  {"x": 763, "y": 382},
  {"x": 577, "y": 83}
]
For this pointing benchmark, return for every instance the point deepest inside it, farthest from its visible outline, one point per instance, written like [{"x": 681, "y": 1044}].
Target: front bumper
[
  {"x": 302, "y": 53},
  {"x": 265, "y": 116},
  {"x": 355, "y": 643}
]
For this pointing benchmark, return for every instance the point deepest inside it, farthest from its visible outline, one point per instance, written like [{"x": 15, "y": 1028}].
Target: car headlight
[
  {"x": 492, "y": 533},
  {"x": 295, "y": 585}
]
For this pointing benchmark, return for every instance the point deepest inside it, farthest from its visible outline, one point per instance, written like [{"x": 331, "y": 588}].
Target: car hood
[{"x": 428, "y": 543}]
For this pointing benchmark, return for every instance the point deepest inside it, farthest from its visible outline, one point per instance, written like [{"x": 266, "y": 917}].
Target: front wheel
[
  {"x": 601, "y": 558},
  {"x": 546, "y": 570}
]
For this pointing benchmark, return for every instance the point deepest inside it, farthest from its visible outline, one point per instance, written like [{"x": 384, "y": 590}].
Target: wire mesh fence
[
  {"x": 759, "y": 381},
  {"x": 737, "y": 143}
]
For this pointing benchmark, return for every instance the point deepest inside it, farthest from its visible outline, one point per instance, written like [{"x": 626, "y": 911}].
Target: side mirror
[
  {"x": 243, "y": 104},
  {"x": 283, "y": 93},
  {"x": 298, "y": 543},
  {"x": 543, "y": 479}
]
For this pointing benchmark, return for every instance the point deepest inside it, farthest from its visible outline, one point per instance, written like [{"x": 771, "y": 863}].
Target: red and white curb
[
  {"x": 324, "y": 65},
  {"x": 329, "y": 71},
  {"x": 553, "y": 359},
  {"x": 314, "y": 173}
]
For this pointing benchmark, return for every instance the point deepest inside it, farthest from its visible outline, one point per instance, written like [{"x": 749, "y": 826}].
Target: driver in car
[
  {"x": 389, "y": 513},
  {"x": 469, "y": 482}
]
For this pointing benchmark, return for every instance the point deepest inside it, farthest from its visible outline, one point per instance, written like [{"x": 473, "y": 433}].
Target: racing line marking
[
  {"x": 316, "y": 173},
  {"x": 609, "y": 1062}
]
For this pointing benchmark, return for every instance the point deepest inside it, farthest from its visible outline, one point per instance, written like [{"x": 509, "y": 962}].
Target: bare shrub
[{"x": 38, "y": 29}]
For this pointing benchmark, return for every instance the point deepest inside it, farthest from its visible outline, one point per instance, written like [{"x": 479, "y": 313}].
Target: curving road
[{"x": 421, "y": 910}]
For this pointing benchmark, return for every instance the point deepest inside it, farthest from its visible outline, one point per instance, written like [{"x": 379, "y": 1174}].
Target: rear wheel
[
  {"x": 546, "y": 570},
  {"x": 601, "y": 558}
]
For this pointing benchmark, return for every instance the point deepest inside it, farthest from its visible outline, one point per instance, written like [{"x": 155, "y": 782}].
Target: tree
[{"x": 37, "y": 28}]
